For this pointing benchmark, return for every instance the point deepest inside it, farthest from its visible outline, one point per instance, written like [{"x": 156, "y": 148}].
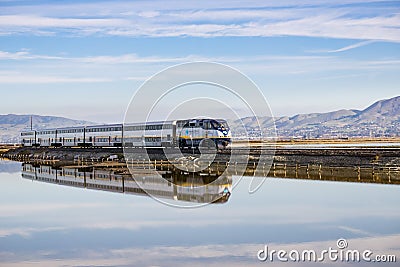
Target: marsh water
[{"x": 59, "y": 218}]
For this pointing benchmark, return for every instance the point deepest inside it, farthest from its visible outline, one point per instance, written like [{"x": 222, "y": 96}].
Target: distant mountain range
[
  {"x": 378, "y": 120},
  {"x": 381, "y": 119},
  {"x": 11, "y": 125}
]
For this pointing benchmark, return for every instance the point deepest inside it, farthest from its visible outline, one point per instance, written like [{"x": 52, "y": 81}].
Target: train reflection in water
[{"x": 176, "y": 185}]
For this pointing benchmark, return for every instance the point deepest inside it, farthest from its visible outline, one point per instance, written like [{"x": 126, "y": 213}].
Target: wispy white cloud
[
  {"x": 345, "y": 48},
  {"x": 23, "y": 66},
  {"x": 288, "y": 18},
  {"x": 31, "y": 21},
  {"x": 23, "y": 55},
  {"x": 23, "y": 78}
]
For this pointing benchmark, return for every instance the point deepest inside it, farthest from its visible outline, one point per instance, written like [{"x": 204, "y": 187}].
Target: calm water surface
[{"x": 44, "y": 224}]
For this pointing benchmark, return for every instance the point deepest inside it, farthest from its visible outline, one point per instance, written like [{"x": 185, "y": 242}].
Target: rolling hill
[{"x": 380, "y": 119}]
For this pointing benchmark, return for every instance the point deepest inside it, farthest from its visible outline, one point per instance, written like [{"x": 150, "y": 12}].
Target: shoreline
[{"x": 341, "y": 157}]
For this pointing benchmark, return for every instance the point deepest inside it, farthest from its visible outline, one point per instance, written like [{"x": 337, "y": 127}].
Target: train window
[{"x": 214, "y": 124}]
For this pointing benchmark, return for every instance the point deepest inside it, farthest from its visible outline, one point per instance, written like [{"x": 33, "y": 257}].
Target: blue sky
[{"x": 85, "y": 59}]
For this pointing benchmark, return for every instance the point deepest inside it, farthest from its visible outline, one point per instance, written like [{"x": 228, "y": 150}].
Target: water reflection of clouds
[
  {"x": 44, "y": 223},
  {"x": 278, "y": 202},
  {"x": 9, "y": 166},
  {"x": 211, "y": 255}
]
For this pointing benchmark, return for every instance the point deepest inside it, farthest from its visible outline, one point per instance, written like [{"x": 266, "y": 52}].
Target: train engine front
[
  {"x": 191, "y": 133},
  {"x": 222, "y": 132}
]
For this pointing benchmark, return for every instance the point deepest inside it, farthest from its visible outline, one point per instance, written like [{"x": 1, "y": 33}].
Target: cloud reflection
[{"x": 212, "y": 255}]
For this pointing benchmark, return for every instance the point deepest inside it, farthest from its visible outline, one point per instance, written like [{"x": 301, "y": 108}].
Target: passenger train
[{"x": 177, "y": 133}]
